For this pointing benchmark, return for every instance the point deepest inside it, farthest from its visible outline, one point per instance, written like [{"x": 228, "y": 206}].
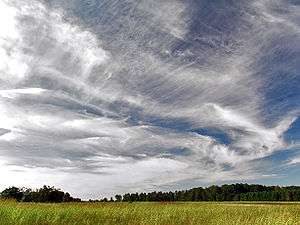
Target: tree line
[
  {"x": 227, "y": 192},
  {"x": 232, "y": 192},
  {"x": 44, "y": 194}
]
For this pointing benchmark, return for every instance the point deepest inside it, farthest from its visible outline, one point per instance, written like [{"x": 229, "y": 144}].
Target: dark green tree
[{"x": 12, "y": 193}]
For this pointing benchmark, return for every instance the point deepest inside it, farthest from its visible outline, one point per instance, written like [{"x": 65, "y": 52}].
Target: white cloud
[
  {"x": 294, "y": 161},
  {"x": 12, "y": 93},
  {"x": 12, "y": 65},
  {"x": 171, "y": 15}
]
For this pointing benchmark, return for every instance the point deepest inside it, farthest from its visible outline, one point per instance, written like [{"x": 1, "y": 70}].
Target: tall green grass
[{"x": 12, "y": 213}]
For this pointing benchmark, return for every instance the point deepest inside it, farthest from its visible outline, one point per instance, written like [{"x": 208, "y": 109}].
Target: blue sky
[{"x": 104, "y": 97}]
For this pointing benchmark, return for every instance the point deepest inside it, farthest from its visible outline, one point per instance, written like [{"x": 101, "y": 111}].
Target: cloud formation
[{"x": 107, "y": 97}]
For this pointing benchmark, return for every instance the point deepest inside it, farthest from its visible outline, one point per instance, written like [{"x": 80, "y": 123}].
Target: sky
[{"x": 99, "y": 97}]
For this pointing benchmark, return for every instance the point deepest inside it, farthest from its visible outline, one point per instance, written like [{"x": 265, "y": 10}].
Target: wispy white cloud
[
  {"x": 294, "y": 161},
  {"x": 12, "y": 93}
]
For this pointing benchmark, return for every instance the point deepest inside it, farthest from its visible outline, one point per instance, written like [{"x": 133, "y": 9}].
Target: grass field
[{"x": 13, "y": 213}]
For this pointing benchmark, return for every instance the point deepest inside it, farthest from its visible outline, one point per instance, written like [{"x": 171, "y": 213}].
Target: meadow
[{"x": 13, "y": 213}]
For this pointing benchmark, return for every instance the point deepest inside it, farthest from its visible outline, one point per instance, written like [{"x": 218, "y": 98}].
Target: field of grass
[{"x": 13, "y": 213}]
